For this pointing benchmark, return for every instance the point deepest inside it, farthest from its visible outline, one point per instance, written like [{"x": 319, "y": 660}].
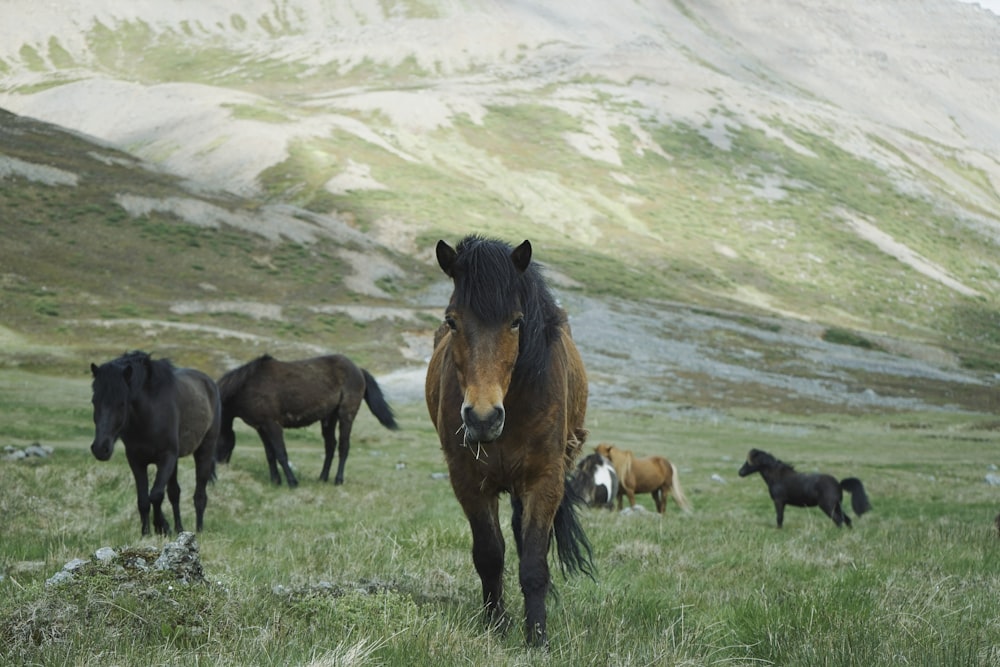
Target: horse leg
[
  {"x": 166, "y": 469},
  {"x": 274, "y": 445},
  {"x": 346, "y": 422},
  {"x": 779, "y": 509},
  {"x": 488, "y": 557},
  {"x": 631, "y": 496},
  {"x": 660, "y": 498},
  {"x": 174, "y": 494},
  {"x": 204, "y": 460},
  {"x": 141, "y": 493},
  {"x": 836, "y": 512},
  {"x": 329, "y": 425},
  {"x": 272, "y": 464},
  {"x": 536, "y": 530}
]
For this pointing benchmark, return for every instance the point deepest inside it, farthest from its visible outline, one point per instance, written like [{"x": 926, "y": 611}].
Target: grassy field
[{"x": 378, "y": 571}]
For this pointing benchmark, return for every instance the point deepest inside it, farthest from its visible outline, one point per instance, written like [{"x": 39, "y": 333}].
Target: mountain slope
[{"x": 779, "y": 159}]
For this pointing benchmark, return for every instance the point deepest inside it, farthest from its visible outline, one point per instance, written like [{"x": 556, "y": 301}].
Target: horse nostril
[
  {"x": 100, "y": 452},
  {"x": 483, "y": 428}
]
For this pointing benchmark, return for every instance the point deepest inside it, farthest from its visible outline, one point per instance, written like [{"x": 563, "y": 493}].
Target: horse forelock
[
  {"x": 106, "y": 385},
  {"x": 492, "y": 288},
  {"x": 154, "y": 374}
]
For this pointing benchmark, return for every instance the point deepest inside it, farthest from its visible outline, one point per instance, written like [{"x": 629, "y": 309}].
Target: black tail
[
  {"x": 376, "y": 402},
  {"x": 859, "y": 499},
  {"x": 572, "y": 545}
]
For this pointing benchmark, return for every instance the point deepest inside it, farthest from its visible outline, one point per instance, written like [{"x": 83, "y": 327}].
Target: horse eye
[
  {"x": 516, "y": 324},
  {"x": 450, "y": 321}
]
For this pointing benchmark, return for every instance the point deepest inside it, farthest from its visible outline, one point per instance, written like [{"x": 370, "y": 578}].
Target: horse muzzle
[
  {"x": 483, "y": 427},
  {"x": 102, "y": 449}
]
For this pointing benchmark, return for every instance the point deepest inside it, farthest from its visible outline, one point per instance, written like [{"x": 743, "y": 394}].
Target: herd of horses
[
  {"x": 161, "y": 413},
  {"x": 506, "y": 390}
]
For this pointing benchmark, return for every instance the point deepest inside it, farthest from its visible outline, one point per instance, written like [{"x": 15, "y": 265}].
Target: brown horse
[
  {"x": 272, "y": 395},
  {"x": 507, "y": 392},
  {"x": 653, "y": 474}
]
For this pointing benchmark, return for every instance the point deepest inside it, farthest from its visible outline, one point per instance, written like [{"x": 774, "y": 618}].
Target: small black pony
[
  {"x": 800, "y": 489},
  {"x": 161, "y": 413},
  {"x": 272, "y": 395}
]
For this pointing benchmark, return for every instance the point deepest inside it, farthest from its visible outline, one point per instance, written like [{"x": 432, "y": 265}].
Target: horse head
[
  {"x": 757, "y": 459},
  {"x": 484, "y": 331},
  {"x": 111, "y": 388}
]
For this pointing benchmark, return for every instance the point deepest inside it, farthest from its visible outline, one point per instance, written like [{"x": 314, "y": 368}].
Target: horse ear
[
  {"x": 93, "y": 369},
  {"x": 127, "y": 374},
  {"x": 522, "y": 256},
  {"x": 446, "y": 258}
]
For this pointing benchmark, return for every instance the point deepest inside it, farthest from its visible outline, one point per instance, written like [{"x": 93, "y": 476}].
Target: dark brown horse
[
  {"x": 507, "y": 392},
  {"x": 161, "y": 414},
  {"x": 788, "y": 487},
  {"x": 654, "y": 475},
  {"x": 271, "y": 395}
]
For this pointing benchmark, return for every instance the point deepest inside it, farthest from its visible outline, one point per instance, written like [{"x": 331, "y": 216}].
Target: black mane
[
  {"x": 762, "y": 459},
  {"x": 488, "y": 283},
  {"x": 153, "y": 375}
]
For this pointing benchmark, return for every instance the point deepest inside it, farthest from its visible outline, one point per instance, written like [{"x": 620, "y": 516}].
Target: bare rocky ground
[{"x": 676, "y": 358}]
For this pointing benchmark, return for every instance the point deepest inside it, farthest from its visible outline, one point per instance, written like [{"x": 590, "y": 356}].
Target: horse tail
[
  {"x": 377, "y": 403},
  {"x": 678, "y": 492},
  {"x": 572, "y": 545},
  {"x": 859, "y": 499}
]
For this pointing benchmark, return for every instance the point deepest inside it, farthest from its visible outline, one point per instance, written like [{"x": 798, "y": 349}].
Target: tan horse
[
  {"x": 507, "y": 392},
  {"x": 652, "y": 474}
]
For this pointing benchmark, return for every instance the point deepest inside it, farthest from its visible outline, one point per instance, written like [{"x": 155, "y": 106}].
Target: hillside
[{"x": 721, "y": 184}]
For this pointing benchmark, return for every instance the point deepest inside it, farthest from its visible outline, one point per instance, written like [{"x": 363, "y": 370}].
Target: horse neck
[{"x": 777, "y": 472}]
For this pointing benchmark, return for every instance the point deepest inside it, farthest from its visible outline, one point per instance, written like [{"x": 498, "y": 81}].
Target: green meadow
[
  {"x": 379, "y": 572},
  {"x": 763, "y": 232}
]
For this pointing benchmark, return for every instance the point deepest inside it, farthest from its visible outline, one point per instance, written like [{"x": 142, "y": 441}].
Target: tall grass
[{"x": 378, "y": 571}]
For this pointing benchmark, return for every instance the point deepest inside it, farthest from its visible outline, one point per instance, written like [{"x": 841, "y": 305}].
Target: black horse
[
  {"x": 272, "y": 395},
  {"x": 788, "y": 487},
  {"x": 161, "y": 413}
]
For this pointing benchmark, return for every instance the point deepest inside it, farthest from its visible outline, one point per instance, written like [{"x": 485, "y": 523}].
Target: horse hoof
[
  {"x": 499, "y": 623},
  {"x": 537, "y": 638}
]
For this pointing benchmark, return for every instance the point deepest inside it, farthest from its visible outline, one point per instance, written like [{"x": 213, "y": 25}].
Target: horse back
[
  {"x": 297, "y": 393},
  {"x": 807, "y": 489},
  {"x": 198, "y": 409},
  {"x": 651, "y": 473}
]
